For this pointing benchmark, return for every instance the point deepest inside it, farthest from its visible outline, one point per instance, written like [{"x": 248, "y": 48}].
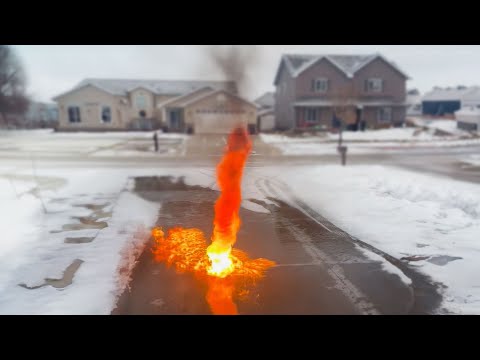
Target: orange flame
[
  {"x": 227, "y": 271},
  {"x": 227, "y": 219}
]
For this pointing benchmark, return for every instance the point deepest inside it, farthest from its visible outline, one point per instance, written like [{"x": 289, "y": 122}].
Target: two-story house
[{"x": 319, "y": 90}]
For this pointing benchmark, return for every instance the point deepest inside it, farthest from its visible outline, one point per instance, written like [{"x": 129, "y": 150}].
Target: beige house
[{"x": 179, "y": 106}]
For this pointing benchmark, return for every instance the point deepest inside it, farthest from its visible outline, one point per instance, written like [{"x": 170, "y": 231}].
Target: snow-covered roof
[
  {"x": 159, "y": 87},
  {"x": 414, "y": 99},
  {"x": 266, "y": 100},
  {"x": 348, "y": 64},
  {"x": 453, "y": 94}
]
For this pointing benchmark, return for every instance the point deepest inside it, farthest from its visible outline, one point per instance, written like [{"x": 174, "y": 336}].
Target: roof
[
  {"x": 265, "y": 112},
  {"x": 266, "y": 100},
  {"x": 413, "y": 99},
  {"x": 348, "y": 64},
  {"x": 206, "y": 95},
  {"x": 453, "y": 94},
  {"x": 180, "y": 100},
  {"x": 159, "y": 87}
]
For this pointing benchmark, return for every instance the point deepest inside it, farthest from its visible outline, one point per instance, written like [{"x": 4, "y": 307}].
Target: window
[
  {"x": 384, "y": 115},
  {"x": 141, "y": 101},
  {"x": 320, "y": 85},
  {"x": 74, "y": 114},
  {"x": 311, "y": 115},
  {"x": 374, "y": 85},
  {"x": 106, "y": 114}
]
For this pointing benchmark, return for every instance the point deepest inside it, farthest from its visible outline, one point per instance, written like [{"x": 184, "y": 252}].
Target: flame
[
  {"x": 227, "y": 271},
  {"x": 227, "y": 219}
]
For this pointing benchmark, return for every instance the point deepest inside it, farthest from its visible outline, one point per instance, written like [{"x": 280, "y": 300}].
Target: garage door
[{"x": 217, "y": 123}]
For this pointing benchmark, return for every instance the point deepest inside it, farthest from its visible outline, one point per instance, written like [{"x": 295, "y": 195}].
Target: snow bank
[{"x": 404, "y": 213}]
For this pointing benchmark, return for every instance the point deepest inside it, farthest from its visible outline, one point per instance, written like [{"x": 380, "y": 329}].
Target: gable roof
[
  {"x": 159, "y": 87},
  {"x": 266, "y": 100},
  {"x": 204, "y": 96},
  {"x": 347, "y": 64},
  {"x": 179, "y": 100}
]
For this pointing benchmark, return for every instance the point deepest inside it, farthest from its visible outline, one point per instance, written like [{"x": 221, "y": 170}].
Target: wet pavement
[{"x": 320, "y": 269}]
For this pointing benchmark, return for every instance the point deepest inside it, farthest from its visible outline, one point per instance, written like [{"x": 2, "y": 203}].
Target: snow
[
  {"x": 386, "y": 265},
  {"x": 247, "y": 204},
  {"x": 389, "y": 140},
  {"x": 403, "y": 214},
  {"x": 394, "y": 134},
  {"x": 15, "y": 142},
  {"x": 33, "y": 247},
  {"x": 473, "y": 160}
]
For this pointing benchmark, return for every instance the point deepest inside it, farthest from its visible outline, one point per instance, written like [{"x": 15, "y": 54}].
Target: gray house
[
  {"x": 320, "y": 91},
  {"x": 446, "y": 101},
  {"x": 266, "y": 112}
]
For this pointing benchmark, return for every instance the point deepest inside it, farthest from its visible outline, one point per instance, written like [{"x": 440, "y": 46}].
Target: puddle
[
  {"x": 85, "y": 224},
  {"x": 62, "y": 283},
  {"x": 415, "y": 258},
  {"x": 93, "y": 207},
  {"x": 163, "y": 183},
  {"x": 78, "y": 240}
]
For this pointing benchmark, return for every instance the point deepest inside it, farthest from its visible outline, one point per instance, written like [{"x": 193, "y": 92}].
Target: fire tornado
[{"x": 228, "y": 271}]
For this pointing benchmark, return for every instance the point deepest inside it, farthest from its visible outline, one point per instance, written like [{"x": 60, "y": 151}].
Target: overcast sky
[{"x": 53, "y": 69}]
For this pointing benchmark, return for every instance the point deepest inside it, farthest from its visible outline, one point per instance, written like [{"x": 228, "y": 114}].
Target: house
[
  {"x": 318, "y": 90},
  {"x": 468, "y": 118},
  {"x": 446, "y": 101},
  {"x": 178, "y": 106},
  {"x": 414, "y": 103},
  {"x": 266, "y": 112}
]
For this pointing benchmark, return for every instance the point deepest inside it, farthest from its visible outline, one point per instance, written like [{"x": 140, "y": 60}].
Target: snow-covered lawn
[
  {"x": 34, "y": 245},
  {"x": 44, "y": 233},
  {"x": 364, "y": 142},
  {"x": 100, "y": 144},
  {"x": 404, "y": 214}
]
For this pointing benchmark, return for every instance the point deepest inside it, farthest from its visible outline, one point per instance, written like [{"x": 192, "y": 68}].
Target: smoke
[{"x": 236, "y": 63}]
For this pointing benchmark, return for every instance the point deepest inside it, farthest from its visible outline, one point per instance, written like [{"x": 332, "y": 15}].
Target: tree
[{"x": 12, "y": 84}]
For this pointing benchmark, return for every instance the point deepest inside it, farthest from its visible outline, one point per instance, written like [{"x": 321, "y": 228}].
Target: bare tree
[{"x": 12, "y": 84}]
